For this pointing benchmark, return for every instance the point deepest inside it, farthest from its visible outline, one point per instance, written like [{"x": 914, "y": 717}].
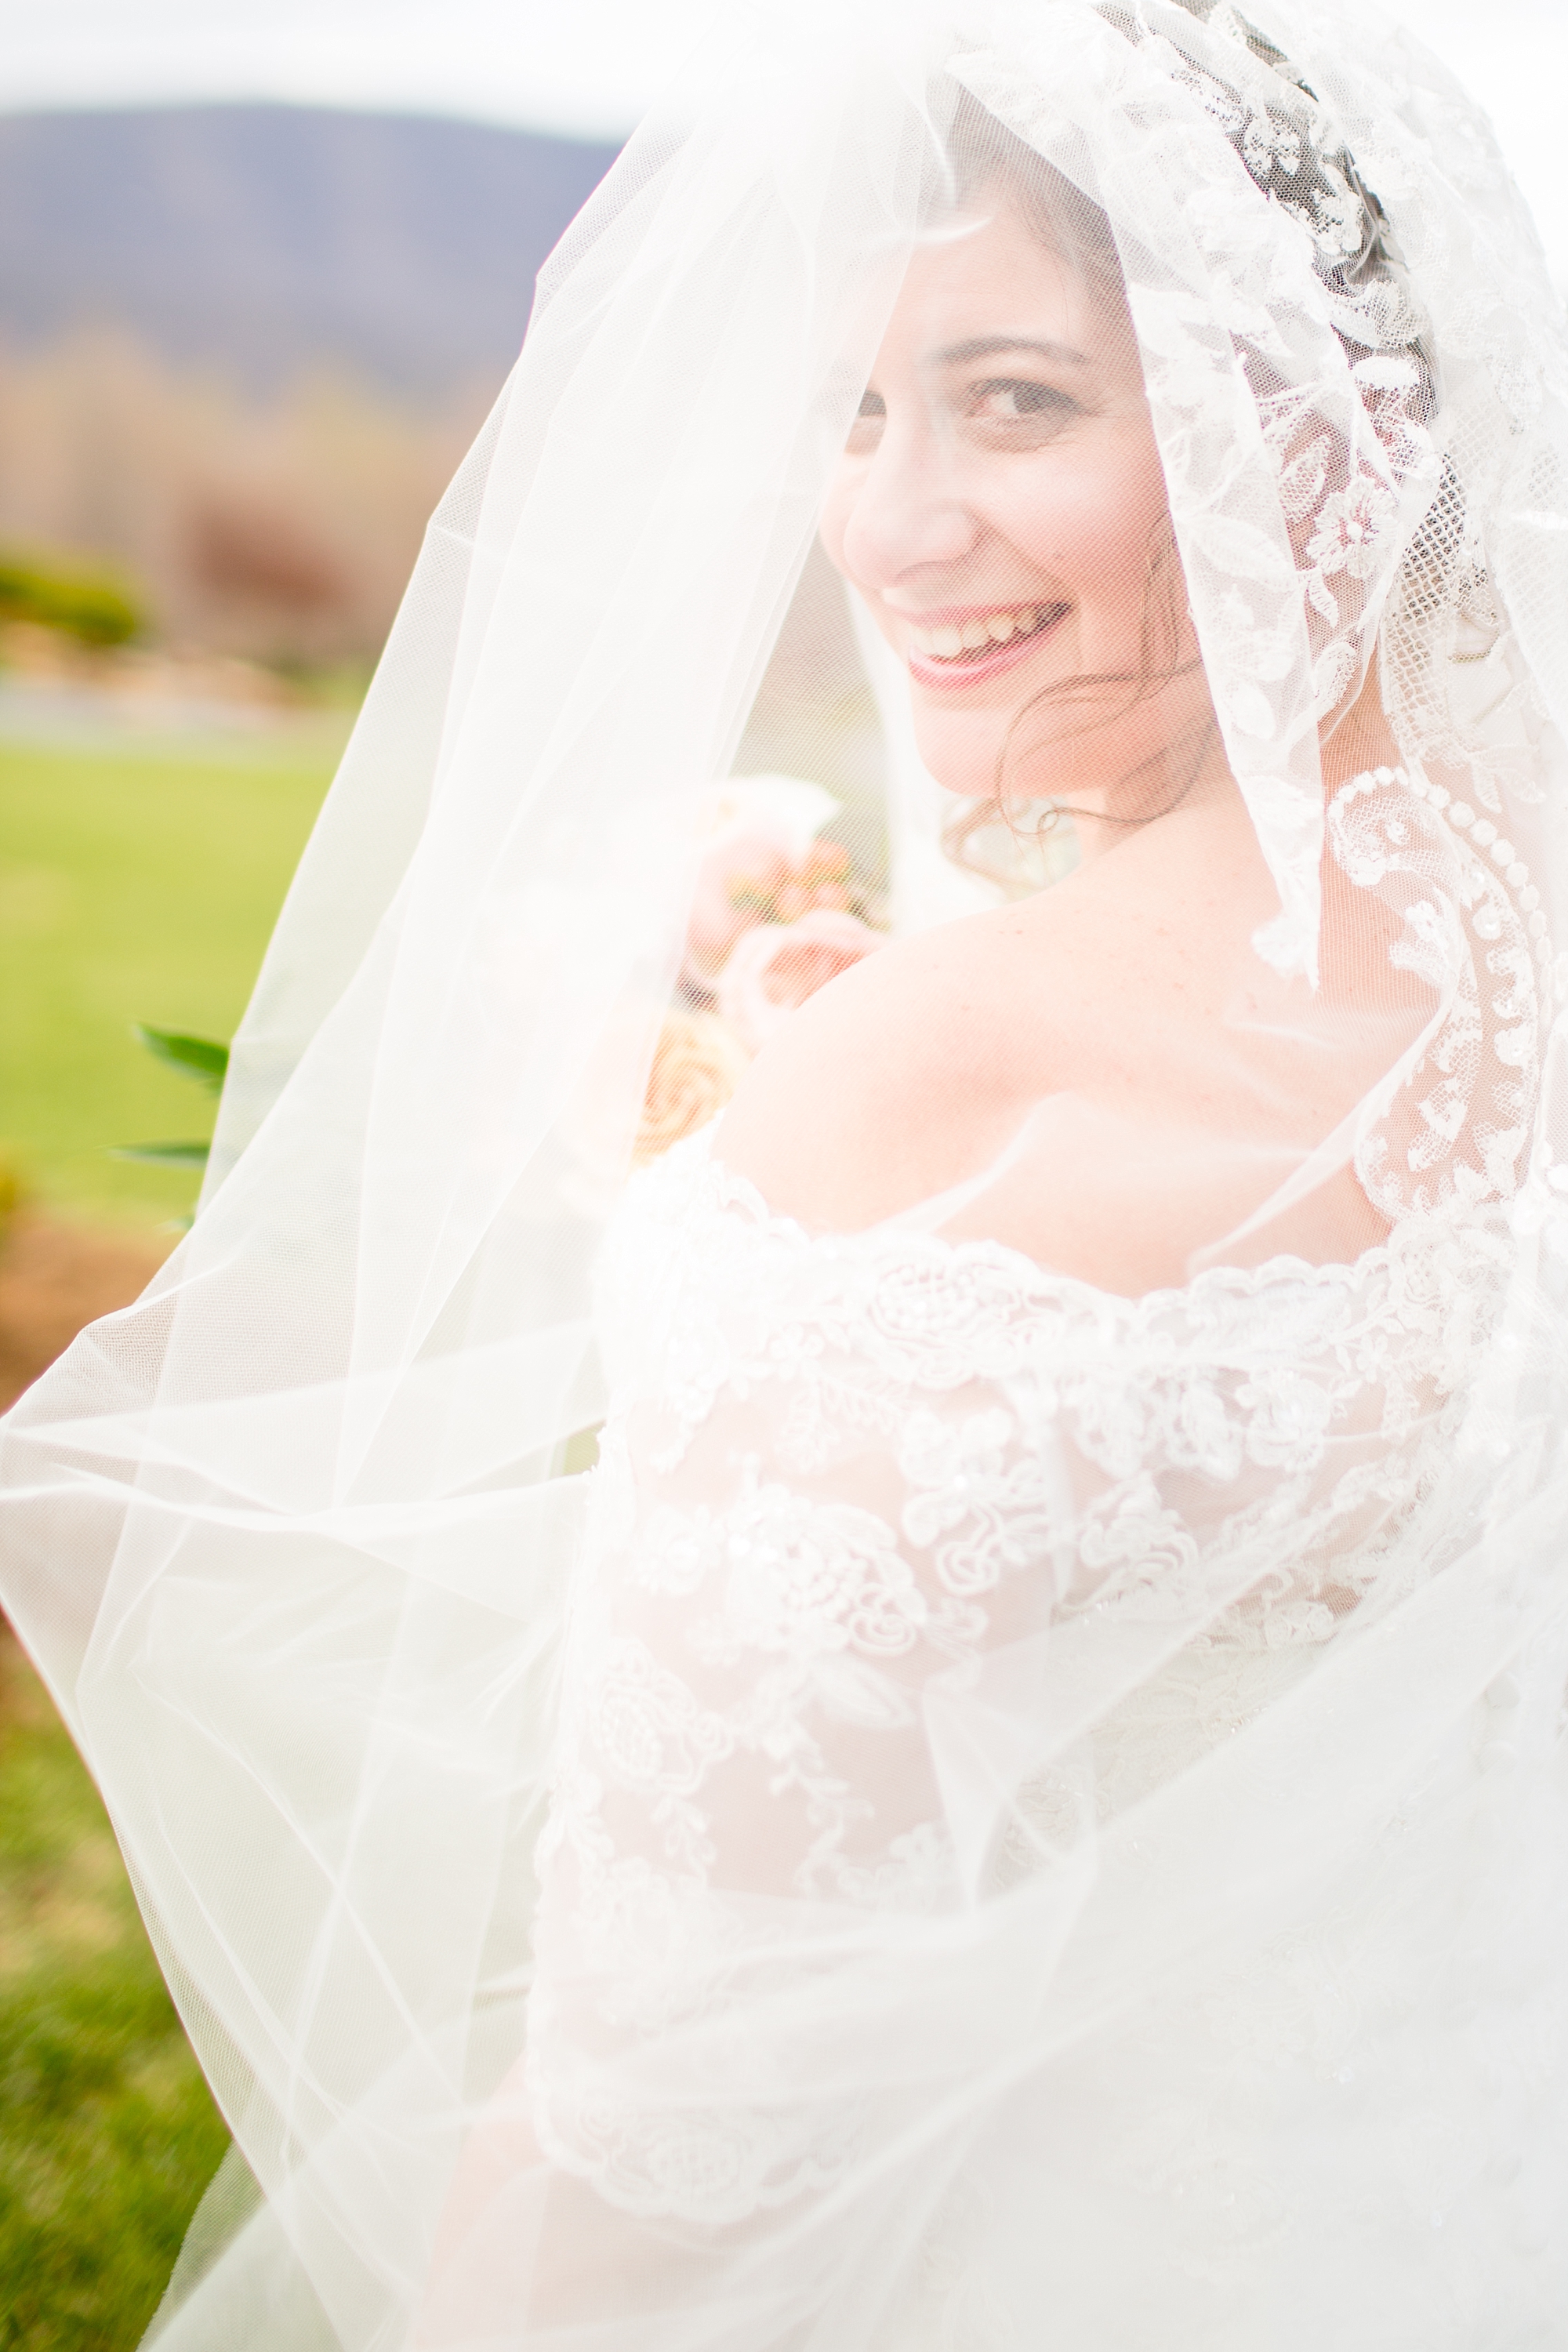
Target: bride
[
  {"x": 1118, "y": 1038},
  {"x": 1020, "y": 1798}
]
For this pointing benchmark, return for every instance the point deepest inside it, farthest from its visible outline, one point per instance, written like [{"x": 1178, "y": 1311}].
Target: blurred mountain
[
  {"x": 242, "y": 348},
  {"x": 262, "y": 241}
]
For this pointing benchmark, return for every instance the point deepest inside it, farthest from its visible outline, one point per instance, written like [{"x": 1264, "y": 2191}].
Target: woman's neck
[{"x": 1190, "y": 771}]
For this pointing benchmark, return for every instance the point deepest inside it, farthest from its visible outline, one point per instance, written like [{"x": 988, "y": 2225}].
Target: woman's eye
[
  {"x": 867, "y": 429},
  {"x": 1020, "y": 409}
]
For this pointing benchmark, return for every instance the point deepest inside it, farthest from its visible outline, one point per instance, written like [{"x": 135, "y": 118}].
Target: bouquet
[{"x": 776, "y": 913}]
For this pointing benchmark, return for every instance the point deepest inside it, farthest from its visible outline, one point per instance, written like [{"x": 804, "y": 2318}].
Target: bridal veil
[{"x": 1237, "y": 1694}]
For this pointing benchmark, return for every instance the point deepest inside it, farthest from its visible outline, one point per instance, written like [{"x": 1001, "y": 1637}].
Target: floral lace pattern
[{"x": 850, "y": 1483}]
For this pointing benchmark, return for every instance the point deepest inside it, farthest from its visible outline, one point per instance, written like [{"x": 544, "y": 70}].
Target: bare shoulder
[
  {"x": 911, "y": 1072},
  {"x": 866, "y": 1099}
]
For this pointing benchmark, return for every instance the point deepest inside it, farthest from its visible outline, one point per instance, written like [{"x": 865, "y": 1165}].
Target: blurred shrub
[
  {"x": 254, "y": 548},
  {"x": 93, "y": 606}
]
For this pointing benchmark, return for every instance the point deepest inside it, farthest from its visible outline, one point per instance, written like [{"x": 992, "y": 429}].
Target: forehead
[{"x": 989, "y": 279}]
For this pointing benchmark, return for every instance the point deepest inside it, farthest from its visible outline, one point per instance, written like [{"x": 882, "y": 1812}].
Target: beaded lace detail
[{"x": 1460, "y": 1124}]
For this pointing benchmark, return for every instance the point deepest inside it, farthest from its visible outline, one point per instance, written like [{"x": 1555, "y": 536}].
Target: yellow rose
[{"x": 697, "y": 1066}]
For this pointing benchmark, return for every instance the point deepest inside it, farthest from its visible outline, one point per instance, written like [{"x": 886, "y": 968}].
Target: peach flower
[
  {"x": 761, "y": 832},
  {"x": 697, "y": 1066},
  {"x": 777, "y": 966}
]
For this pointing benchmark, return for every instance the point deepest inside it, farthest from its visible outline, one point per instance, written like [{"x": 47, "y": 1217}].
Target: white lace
[
  {"x": 1460, "y": 1126},
  {"x": 842, "y": 1473}
]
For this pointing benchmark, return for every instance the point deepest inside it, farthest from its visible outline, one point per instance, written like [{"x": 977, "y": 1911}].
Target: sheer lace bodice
[{"x": 916, "y": 1573}]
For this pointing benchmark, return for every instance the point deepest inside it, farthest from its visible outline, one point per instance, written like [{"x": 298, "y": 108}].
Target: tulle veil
[{"x": 293, "y": 1538}]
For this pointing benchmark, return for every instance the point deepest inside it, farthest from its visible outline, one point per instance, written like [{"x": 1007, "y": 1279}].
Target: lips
[{"x": 959, "y": 649}]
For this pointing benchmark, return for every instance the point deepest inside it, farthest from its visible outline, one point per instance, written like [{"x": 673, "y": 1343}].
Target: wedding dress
[
  {"x": 712, "y": 1777},
  {"x": 1104, "y": 1589}
]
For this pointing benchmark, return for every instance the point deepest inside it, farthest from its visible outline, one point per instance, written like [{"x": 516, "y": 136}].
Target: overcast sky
[{"x": 590, "y": 66}]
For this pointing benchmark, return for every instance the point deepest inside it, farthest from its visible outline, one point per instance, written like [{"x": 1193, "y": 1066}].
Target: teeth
[{"x": 947, "y": 642}]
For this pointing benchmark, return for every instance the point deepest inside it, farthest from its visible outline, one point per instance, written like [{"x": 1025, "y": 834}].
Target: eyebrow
[{"x": 985, "y": 347}]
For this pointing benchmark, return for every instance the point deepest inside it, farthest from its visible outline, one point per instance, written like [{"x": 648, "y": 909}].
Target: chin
[{"x": 966, "y": 768}]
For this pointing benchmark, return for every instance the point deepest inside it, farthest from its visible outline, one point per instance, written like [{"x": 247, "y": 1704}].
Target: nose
[{"x": 908, "y": 512}]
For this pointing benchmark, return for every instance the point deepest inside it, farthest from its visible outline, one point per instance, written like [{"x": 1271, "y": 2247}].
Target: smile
[{"x": 980, "y": 644}]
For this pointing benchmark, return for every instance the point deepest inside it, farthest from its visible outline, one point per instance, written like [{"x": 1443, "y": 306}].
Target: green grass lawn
[
  {"x": 136, "y": 884},
  {"x": 107, "y": 2136}
]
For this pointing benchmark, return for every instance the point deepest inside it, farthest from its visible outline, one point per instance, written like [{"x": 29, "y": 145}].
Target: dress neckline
[{"x": 693, "y": 1166}]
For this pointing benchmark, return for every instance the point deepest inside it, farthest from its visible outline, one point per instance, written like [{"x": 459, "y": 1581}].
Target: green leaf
[
  {"x": 201, "y": 1058},
  {"x": 164, "y": 1155}
]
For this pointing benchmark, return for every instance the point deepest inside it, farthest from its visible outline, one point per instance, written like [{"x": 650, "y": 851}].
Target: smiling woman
[
  {"x": 1026, "y": 1779},
  {"x": 1001, "y": 509},
  {"x": 1002, "y": 505}
]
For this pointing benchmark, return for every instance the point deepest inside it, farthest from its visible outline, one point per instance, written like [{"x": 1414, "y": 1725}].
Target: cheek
[{"x": 1093, "y": 526}]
